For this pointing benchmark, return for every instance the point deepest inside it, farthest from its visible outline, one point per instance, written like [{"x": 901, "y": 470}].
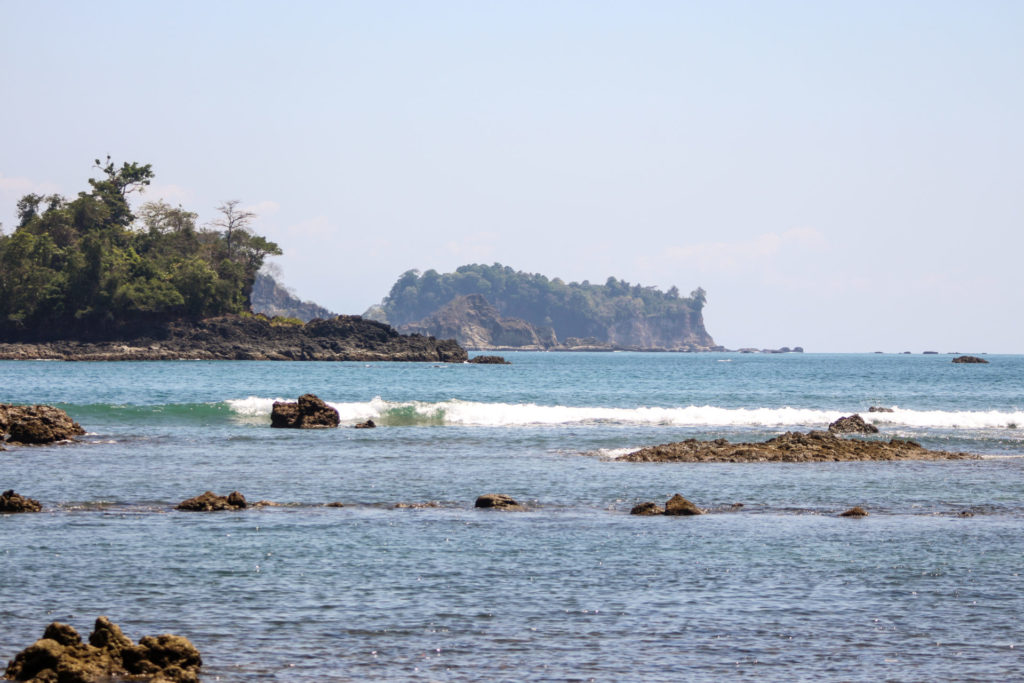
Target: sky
[{"x": 843, "y": 176}]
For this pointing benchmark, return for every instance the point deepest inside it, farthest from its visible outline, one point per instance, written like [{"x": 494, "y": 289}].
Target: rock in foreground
[
  {"x": 816, "y": 446},
  {"x": 13, "y": 502},
  {"x": 309, "y": 412},
  {"x": 854, "y": 424},
  {"x": 969, "y": 359},
  {"x": 36, "y": 424},
  {"x": 498, "y": 501},
  {"x": 60, "y": 656},
  {"x": 211, "y": 502}
]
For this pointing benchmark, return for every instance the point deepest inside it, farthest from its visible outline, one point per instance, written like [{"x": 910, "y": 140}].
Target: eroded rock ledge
[
  {"x": 346, "y": 337},
  {"x": 60, "y": 656},
  {"x": 816, "y": 446}
]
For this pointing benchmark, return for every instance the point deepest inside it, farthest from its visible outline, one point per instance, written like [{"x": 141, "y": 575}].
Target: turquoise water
[{"x": 573, "y": 589}]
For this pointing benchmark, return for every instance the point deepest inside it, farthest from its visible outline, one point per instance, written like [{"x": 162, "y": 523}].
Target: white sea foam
[{"x": 470, "y": 413}]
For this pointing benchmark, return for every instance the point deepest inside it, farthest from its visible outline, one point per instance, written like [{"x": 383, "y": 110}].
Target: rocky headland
[
  {"x": 816, "y": 446},
  {"x": 343, "y": 338}
]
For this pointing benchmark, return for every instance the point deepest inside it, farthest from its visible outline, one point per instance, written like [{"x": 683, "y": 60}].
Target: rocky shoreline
[{"x": 344, "y": 338}]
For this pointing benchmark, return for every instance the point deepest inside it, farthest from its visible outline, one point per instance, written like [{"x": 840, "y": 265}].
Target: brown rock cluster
[
  {"x": 675, "y": 506},
  {"x": 854, "y": 424},
  {"x": 969, "y": 359},
  {"x": 13, "y": 502},
  {"x": 309, "y": 412},
  {"x": 37, "y": 424},
  {"x": 816, "y": 446},
  {"x": 498, "y": 501},
  {"x": 211, "y": 502},
  {"x": 60, "y": 656}
]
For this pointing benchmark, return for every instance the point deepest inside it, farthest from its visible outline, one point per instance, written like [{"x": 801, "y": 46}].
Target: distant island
[
  {"x": 496, "y": 307},
  {"x": 89, "y": 279}
]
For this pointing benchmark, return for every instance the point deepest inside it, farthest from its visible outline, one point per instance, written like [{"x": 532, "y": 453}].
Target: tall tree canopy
[{"x": 90, "y": 266}]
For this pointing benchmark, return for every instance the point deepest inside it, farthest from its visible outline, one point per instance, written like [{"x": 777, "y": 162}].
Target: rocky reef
[
  {"x": 211, "y": 502},
  {"x": 816, "y": 446},
  {"x": 675, "y": 506},
  {"x": 15, "y": 502},
  {"x": 36, "y": 424},
  {"x": 854, "y": 424},
  {"x": 345, "y": 337},
  {"x": 60, "y": 656},
  {"x": 309, "y": 412}
]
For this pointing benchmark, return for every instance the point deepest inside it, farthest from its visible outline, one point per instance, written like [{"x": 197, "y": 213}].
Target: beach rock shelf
[
  {"x": 36, "y": 424},
  {"x": 816, "y": 446},
  {"x": 60, "y": 656},
  {"x": 309, "y": 412}
]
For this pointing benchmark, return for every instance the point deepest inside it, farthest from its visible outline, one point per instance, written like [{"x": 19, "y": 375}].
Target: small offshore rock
[
  {"x": 14, "y": 502},
  {"x": 677, "y": 505},
  {"x": 488, "y": 360},
  {"x": 854, "y": 424},
  {"x": 856, "y": 511},
  {"x": 309, "y": 412},
  {"x": 60, "y": 656},
  {"x": 428, "y": 504},
  {"x": 969, "y": 359},
  {"x": 647, "y": 508},
  {"x": 211, "y": 502},
  {"x": 369, "y": 424},
  {"x": 499, "y": 501},
  {"x": 335, "y": 504},
  {"x": 879, "y": 409},
  {"x": 36, "y": 424}
]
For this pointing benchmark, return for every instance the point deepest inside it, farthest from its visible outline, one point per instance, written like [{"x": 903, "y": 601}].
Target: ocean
[{"x": 927, "y": 587}]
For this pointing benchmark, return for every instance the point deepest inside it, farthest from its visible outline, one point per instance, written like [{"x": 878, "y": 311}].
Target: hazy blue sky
[{"x": 842, "y": 176}]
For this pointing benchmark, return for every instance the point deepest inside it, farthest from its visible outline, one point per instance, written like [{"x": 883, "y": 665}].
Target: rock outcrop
[
  {"x": 647, "y": 509},
  {"x": 969, "y": 359},
  {"x": 476, "y": 324},
  {"x": 211, "y": 502},
  {"x": 856, "y": 511},
  {"x": 37, "y": 424},
  {"x": 309, "y": 412},
  {"x": 369, "y": 424},
  {"x": 879, "y": 409},
  {"x": 854, "y": 424},
  {"x": 816, "y": 446},
  {"x": 14, "y": 502},
  {"x": 271, "y": 298},
  {"x": 60, "y": 656},
  {"x": 675, "y": 506},
  {"x": 345, "y": 337},
  {"x": 488, "y": 360},
  {"x": 498, "y": 501}
]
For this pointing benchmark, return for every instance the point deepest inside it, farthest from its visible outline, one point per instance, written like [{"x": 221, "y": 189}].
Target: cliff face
[
  {"x": 270, "y": 298},
  {"x": 475, "y": 324}
]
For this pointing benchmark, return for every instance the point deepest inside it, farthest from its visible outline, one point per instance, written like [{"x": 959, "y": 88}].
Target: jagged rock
[
  {"x": 211, "y": 502},
  {"x": 499, "y": 501},
  {"x": 677, "y": 505},
  {"x": 879, "y": 409},
  {"x": 36, "y": 424},
  {"x": 488, "y": 360},
  {"x": 969, "y": 359},
  {"x": 816, "y": 446},
  {"x": 309, "y": 412},
  {"x": 854, "y": 424},
  {"x": 369, "y": 424},
  {"x": 856, "y": 511},
  {"x": 60, "y": 656},
  {"x": 14, "y": 502},
  {"x": 647, "y": 508}
]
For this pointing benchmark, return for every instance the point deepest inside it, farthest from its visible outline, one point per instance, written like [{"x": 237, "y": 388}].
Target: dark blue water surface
[{"x": 572, "y": 589}]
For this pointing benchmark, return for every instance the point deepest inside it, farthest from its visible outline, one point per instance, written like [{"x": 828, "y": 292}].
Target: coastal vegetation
[
  {"x": 615, "y": 312},
  {"x": 91, "y": 266}
]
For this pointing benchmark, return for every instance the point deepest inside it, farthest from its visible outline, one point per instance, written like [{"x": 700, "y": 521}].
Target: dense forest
[
  {"x": 89, "y": 266},
  {"x": 572, "y": 310}
]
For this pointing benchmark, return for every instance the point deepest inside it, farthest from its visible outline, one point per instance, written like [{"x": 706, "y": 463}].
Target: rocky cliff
[
  {"x": 475, "y": 324},
  {"x": 271, "y": 298}
]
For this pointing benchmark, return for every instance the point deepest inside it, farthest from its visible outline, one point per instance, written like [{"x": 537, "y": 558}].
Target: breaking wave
[{"x": 470, "y": 413}]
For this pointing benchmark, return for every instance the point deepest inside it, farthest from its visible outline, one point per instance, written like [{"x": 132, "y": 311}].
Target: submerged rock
[
  {"x": 499, "y": 501},
  {"x": 36, "y": 424},
  {"x": 817, "y": 446},
  {"x": 369, "y": 424},
  {"x": 309, "y": 412},
  {"x": 879, "y": 409},
  {"x": 856, "y": 511},
  {"x": 969, "y": 359},
  {"x": 647, "y": 508},
  {"x": 677, "y": 505},
  {"x": 854, "y": 424},
  {"x": 60, "y": 656},
  {"x": 211, "y": 502},
  {"x": 13, "y": 502}
]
